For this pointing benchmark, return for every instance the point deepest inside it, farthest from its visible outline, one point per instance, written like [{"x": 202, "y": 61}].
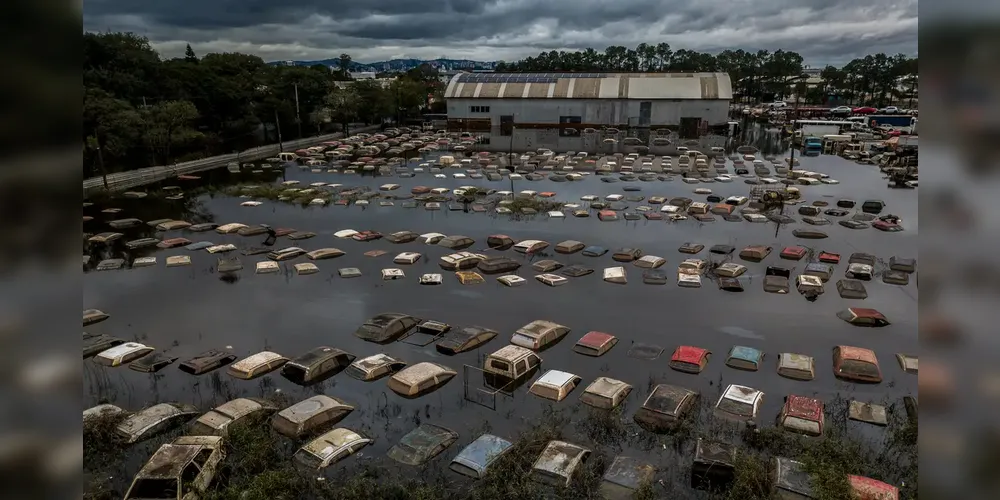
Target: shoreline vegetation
[{"x": 258, "y": 464}]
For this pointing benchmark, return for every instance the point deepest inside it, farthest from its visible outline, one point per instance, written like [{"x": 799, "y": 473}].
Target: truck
[
  {"x": 894, "y": 121},
  {"x": 812, "y": 146}
]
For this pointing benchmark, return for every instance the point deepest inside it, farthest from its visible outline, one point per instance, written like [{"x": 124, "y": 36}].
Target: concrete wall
[{"x": 592, "y": 111}]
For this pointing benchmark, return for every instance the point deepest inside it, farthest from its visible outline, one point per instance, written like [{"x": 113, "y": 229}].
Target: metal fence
[{"x": 134, "y": 178}]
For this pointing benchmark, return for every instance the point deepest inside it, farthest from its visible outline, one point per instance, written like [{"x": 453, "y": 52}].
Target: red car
[
  {"x": 689, "y": 359},
  {"x": 864, "y": 110},
  {"x": 367, "y": 236},
  {"x": 829, "y": 257},
  {"x": 793, "y": 253}
]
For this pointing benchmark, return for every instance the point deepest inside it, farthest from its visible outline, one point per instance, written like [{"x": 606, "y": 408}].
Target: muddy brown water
[{"x": 187, "y": 310}]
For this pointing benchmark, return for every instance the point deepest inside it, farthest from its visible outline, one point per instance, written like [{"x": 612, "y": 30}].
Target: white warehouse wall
[{"x": 592, "y": 111}]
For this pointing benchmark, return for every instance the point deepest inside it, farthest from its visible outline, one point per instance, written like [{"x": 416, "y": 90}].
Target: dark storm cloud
[{"x": 833, "y": 31}]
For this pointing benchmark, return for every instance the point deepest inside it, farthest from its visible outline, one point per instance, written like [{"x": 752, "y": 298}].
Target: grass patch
[{"x": 258, "y": 463}]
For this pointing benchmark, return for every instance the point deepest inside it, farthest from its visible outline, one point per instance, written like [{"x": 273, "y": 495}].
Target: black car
[
  {"x": 94, "y": 343},
  {"x": 497, "y": 265},
  {"x": 316, "y": 365},
  {"x": 152, "y": 363},
  {"x": 386, "y": 327},
  {"x": 576, "y": 271},
  {"x": 464, "y": 339},
  {"x": 207, "y": 361}
]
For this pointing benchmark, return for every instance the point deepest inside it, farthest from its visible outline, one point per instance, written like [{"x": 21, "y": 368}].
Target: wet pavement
[{"x": 188, "y": 310}]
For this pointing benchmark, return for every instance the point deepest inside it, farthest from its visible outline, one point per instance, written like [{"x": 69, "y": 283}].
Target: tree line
[
  {"x": 141, "y": 110},
  {"x": 876, "y": 79}
]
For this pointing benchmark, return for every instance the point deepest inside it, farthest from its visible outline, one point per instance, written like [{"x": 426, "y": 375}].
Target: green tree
[
  {"x": 111, "y": 127},
  {"x": 378, "y": 103},
  {"x": 344, "y": 65},
  {"x": 343, "y": 106},
  {"x": 168, "y": 123},
  {"x": 189, "y": 54}
]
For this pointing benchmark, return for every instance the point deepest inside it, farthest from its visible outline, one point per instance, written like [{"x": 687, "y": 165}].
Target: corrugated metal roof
[{"x": 645, "y": 86}]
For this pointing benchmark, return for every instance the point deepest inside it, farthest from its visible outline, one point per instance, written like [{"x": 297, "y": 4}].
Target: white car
[
  {"x": 724, "y": 178},
  {"x": 841, "y": 110}
]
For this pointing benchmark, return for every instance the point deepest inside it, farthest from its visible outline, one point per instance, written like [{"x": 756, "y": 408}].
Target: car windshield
[
  {"x": 154, "y": 488},
  {"x": 546, "y": 391},
  {"x": 499, "y": 365},
  {"x": 857, "y": 367},
  {"x": 356, "y": 372},
  {"x": 742, "y": 363},
  {"x": 307, "y": 459},
  {"x": 369, "y": 331},
  {"x": 523, "y": 338},
  {"x": 802, "y": 425},
  {"x": 736, "y": 408}
]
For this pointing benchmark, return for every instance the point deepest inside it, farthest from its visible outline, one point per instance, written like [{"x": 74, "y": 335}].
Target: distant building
[
  {"x": 574, "y": 111},
  {"x": 363, "y": 75}
]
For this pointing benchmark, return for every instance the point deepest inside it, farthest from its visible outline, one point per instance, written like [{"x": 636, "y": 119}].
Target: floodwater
[{"x": 187, "y": 310}]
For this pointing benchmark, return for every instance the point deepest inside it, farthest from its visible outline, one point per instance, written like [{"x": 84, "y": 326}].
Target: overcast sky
[{"x": 832, "y": 32}]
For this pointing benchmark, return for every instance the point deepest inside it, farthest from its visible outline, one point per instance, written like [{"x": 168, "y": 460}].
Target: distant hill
[{"x": 397, "y": 64}]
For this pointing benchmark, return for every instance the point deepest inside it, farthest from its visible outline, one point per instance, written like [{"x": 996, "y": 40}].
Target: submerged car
[
  {"x": 558, "y": 463},
  {"x": 498, "y": 265},
  {"x": 555, "y": 385},
  {"x": 689, "y": 359},
  {"x": 605, "y": 393},
  {"x": 386, "y": 327},
  {"x": 216, "y": 422},
  {"x": 153, "y": 420},
  {"x": 207, "y": 361},
  {"x": 539, "y": 334},
  {"x": 665, "y": 407},
  {"x": 374, "y": 367},
  {"x": 475, "y": 459},
  {"x": 329, "y": 449},
  {"x": 464, "y": 339},
  {"x": 316, "y": 364},
  {"x": 802, "y": 415},
  {"x": 861, "y": 316},
  {"x": 310, "y": 414},
  {"x": 422, "y": 444},
  {"x": 256, "y": 365},
  {"x": 739, "y": 403},
  {"x": 122, "y": 354},
  {"x": 856, "y": 364},
  {"x": 183, "y": 469},
  {"x": 419, "y": 379}
]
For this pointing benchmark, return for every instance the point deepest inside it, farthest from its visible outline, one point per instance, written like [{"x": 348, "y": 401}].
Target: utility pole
[
  {"x": 143, "y": 101},
  {"x": 298, "y": 117},
  {"x": 277, "y": 125},
  {"x": 510, "y": 158},
  {"x": 100, "y": 162}
]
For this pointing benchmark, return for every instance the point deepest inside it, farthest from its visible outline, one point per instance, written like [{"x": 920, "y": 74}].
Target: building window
[
  {"x": 569, "y": 126},
  {"x": 506, "y": 125},
  {"x": 479, "y": 109}
]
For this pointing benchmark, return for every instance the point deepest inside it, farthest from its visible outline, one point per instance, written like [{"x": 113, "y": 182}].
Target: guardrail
[{"x": 134, "y": 178}]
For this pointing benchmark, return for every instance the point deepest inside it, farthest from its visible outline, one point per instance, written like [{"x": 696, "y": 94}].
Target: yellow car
[{"x": 469, "y": 277}]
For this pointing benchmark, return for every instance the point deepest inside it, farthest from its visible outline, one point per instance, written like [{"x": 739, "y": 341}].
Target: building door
[
  {"x": 689, "y": 127},
  {"x": 645, "y": 112}
]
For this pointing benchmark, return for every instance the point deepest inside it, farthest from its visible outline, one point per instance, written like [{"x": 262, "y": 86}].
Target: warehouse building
[{"x": 605, "y": 112}]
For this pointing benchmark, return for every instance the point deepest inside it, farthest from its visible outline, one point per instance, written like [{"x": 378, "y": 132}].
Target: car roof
[
  {"x": 555, "y": 378},
  {"x": 742, "y": 394}
]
